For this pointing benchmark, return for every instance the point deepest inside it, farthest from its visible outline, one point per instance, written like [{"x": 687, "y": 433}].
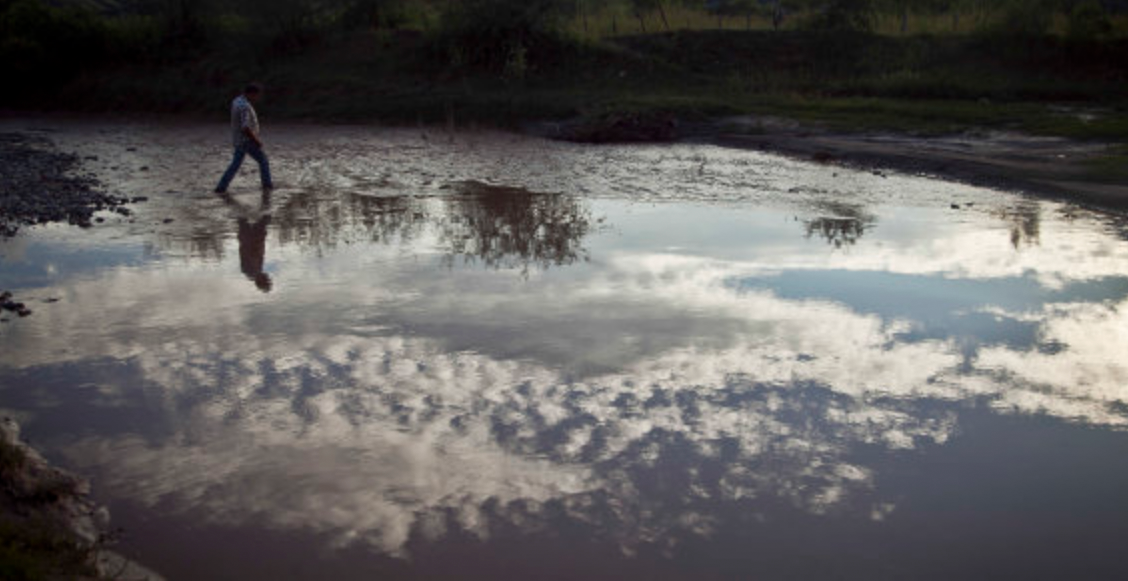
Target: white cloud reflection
[{"x": 360, "y": 431}]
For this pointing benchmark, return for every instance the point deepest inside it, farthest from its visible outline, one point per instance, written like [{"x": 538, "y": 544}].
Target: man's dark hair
[{"x": 253, "y": 88}]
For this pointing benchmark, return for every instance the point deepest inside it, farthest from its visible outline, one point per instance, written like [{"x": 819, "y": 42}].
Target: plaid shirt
[{"x": 242, "y": 116}]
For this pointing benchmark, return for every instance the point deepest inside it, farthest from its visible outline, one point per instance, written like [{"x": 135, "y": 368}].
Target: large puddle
[{"x": 489, "y": 356}]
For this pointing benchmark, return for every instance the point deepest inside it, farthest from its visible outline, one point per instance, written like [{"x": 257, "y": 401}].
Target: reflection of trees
[
  {"x": 206, "y": 243},
  {"x": 1025, "y": 224},
  {"x": 507, "y": 227},
  {"x": 502, "y": 227},
  {"x": 839, "y": 224},
  {"x": 324, "y": 219}
]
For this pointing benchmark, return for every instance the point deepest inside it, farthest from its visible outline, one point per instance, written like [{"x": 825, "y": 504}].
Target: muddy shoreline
[
  {"x": 51, "y": 185},
  {"x": 1051, "y": 167}
]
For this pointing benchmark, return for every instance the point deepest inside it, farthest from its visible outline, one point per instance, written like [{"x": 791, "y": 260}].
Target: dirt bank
[
  {"x": 49, "y": 526},
  {"x": 1049, "y": 166}
]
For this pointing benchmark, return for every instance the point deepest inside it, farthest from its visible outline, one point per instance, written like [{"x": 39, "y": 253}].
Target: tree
[
  {"x": 1088, "y": 21},
  {"x": 643, "y": 7},
  {"x": 1028, "y": 17},
  {"x": 855, "y": 15},
  {"x": 491, "y": 33},
  {"x": 371, "y": 13}
]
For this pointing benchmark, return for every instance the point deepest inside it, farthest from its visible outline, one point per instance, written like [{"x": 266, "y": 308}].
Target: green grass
[{"x": 943, "y": 117}]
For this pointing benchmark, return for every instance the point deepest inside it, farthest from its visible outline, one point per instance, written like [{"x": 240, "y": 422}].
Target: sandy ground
[{"x": 1049, "y": 166}]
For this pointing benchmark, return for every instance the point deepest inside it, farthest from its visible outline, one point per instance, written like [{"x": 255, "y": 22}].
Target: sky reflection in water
[{"x": 666, "y": 349}]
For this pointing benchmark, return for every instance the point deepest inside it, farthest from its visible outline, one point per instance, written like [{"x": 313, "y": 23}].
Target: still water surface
[{"x": 489, "y": 356}]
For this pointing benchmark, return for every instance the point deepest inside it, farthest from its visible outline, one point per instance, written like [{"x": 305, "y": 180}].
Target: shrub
[
  {"x": 1088, "y": 21},
  {"x": 1028, "y": 17},
  {"x": 41, "y": 48},
  {"x": 850, "y": 15},
  {"x": 496, "y": 33}
]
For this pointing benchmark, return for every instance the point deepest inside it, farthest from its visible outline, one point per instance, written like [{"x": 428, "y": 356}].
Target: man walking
[{"x": 245, "y": 136}]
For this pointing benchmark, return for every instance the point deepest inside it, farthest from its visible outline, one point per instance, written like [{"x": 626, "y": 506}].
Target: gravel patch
[{"x": 39, "y": 184}]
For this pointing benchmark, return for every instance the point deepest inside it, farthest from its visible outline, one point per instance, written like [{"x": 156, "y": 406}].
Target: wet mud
[{"x": 1052, "y": 167}]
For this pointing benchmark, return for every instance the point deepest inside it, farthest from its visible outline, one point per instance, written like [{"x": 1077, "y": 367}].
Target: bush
[
  {"x": 1088, "y": 21},
  {"x": 1028, "y": 17},
  {"x": 844, "y": 15},
  {"x": 501, "y": 34},
  {"x": 42, "y": 48}
]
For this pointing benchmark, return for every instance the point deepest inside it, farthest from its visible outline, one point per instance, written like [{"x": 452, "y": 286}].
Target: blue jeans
[{"x": 256, "y": 154}]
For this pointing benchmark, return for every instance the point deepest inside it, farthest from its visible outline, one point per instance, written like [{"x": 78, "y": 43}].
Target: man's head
[
  {"x": 263, "y": 282},
  {"x": 253, "y": 91}
]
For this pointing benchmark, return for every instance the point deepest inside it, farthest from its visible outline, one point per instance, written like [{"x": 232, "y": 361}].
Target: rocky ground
[
  {"x": 7, "y": 304},
  {"x": 49, "y": 527},
  {"x": 39, "y": 184}
]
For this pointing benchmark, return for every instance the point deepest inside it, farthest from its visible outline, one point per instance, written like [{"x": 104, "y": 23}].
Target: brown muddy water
[{"x": 487, "y": 356}]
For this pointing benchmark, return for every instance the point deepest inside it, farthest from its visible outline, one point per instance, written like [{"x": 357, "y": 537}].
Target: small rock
[
  {"x": 137, "y": 199},
  {"x": 168, "y": 221},
  {"x": 99, "y": 219},
  {"x": 955, "y": 206},
  {"x": 144, "y": 168},
  {"x": 131, "y": 149},
  {"x": 25, "y": 312}
]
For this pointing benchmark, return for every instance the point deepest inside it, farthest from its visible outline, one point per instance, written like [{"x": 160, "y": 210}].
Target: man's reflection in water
[{"x": 252, "y": 240}]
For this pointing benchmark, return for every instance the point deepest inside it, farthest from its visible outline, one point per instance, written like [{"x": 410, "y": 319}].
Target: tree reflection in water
[
  {"x": 839, "y": 224},
  {"x": 512, "y": 227},
  {"x": 1025, "y": 221},
  {"x": 323, "y": 220},
  {"x": 498, "y": 226}
]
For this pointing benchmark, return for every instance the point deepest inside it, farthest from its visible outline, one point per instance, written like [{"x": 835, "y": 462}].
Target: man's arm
[
  {"x": 250, "y": 133},
  {"x": 245, "y": 122}
]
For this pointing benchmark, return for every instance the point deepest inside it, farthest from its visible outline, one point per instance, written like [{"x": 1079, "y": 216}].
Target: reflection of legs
[
  {"x": 232, "y": 169},
  {"x": 264, "y": 165}
]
